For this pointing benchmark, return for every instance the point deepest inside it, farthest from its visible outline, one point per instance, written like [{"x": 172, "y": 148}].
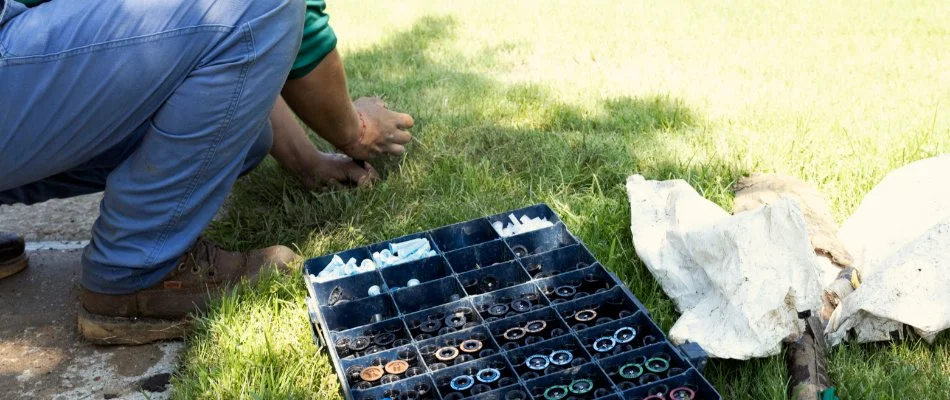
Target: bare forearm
[
  {"x": 321, "y": 100},
  {"x": 292, "y": 148},
  {"x": 296, "y": 153},
  {"x": 363, "y": 129}
]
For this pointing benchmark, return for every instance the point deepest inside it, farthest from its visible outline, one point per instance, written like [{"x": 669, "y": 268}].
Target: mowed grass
[{"x": 542, "y": 101}]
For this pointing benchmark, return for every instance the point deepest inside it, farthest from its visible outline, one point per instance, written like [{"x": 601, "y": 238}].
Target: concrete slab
[
  {"x": 42, "y": 355},
  {"x": 61, "y": 219}
]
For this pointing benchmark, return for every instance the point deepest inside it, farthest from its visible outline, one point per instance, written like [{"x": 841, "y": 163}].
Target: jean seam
[
  {"x": 3, "y": 10},
  {"x": 212, "y": 150},
  {"x": 14, "y": 59}
]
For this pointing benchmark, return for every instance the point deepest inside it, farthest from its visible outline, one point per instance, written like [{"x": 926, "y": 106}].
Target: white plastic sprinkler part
[
  {"x": 374, "y": 290},
  {"x": 408, "y": 247},
  {"x": 335, "y": 262},
  {"x": 499, "y": 227},
  {"x": 367, "y": 265},
  {"x": 522, "y": 225}
]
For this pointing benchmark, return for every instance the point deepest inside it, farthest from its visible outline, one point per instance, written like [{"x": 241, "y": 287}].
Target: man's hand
[
  {"x": 381, "y": 132},
  {"x": 363, "y": 129},
  {"x": 314, "y": 169},
  {"x": 335, "y": 170}
]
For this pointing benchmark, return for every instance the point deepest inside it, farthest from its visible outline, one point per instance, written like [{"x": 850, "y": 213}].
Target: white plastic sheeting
[
  {"x": 900, "y": 239},
  {"x": 739, "y": 281}
]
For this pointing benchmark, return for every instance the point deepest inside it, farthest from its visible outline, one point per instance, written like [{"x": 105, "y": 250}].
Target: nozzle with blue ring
[
  {"x": 462, "y": 382},
  {"x": 537, "y": 362},
  {"x": 561, "y": 357},
  {"x": 625, "y": 334},
  {"x": 605, "y": 344},
  {"x": 488, "y": 375}
]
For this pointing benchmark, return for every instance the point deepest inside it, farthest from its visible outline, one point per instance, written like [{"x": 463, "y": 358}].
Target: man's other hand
[
  {"x": 382, "y": 131},
  {"x": 335, "y": 170}
]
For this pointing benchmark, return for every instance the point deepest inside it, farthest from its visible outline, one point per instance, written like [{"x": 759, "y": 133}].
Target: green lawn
[{"x": 557, "y": 102}]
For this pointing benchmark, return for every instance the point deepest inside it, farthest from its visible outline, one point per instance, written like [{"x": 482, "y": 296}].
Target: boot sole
[
  {"x": 11, "y": 267},
  {"x": 106, "y": 330}
]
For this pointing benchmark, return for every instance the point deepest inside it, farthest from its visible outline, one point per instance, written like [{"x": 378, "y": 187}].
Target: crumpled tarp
[
  {"x": 900, "y": 239},
  {"x": 739, "y": 281}
]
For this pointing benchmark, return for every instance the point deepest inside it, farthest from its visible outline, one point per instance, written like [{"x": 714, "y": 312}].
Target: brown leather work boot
[
  {"x": 161, "y": 311},
  {"x": 13, "y": 257}
]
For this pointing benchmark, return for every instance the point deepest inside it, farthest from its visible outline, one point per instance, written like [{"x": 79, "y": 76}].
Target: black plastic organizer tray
[{"x": 530, "y": 316}]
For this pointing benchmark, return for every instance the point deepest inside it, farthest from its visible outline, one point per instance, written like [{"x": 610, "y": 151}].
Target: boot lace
[{"x": 201, "y": 256}]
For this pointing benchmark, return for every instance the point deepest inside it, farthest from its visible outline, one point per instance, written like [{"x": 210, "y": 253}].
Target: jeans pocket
[{"x": 8, "y": 10}]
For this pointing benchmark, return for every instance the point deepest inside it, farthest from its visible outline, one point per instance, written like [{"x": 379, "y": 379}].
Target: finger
[
  {"x": 358, "y": 174},
  {"x": 366, "y": 176},
  {"x": 373, "y": 173},
  {"x": 379, "y": 102},
  {"x": 367, "y": 152},
  {"x": 395, "y": 149},
  {"x": 399, "y": 137},
  {"x": 404, "y": 121}
]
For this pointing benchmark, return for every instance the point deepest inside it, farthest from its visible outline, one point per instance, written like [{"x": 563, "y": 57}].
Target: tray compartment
[
  {"x": 428, "y": 295},
  {"x": 480, "y": 256},
  {"x": 645, "y": 333},
  {"x": 443, "y": 378},
  {"x": 514, "y": 300},
  {"x": 535, "y": 211},
  {"x": 577, "y": 284},
  {"x": 521, "y": 357},
  {"x": 354, "y": 369},
  {"x": 691, "y": 380},
  {"x": 558, "y": 261},
  {"x": 601, "y": 386},
  {"x": 642, "y": 368},
  {"x": 495, "y": 277},
  {"x": 528, "y": 328},
  {"x": 370, "y": 339},
  {"x": 422, "y": 387},
  {"x": 442, "y": 320},
  {"x": 457, "y": 341},
  {"x": 380, "y": 246},
  {"x": 366, "y": 311},
  {"x": 424, "y": 270},
  {"x": 540, "y": 241},
  {"x": 314, "y": 266},
  {"x": 350, "y": 288},
  {"x": 597, "y": 309},
  {"x": 463, "y": 234}
]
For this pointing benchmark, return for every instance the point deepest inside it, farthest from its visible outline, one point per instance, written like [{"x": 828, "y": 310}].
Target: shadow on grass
[
  {"x": 481, "y": 146},
  {"x": 474, "y": 137}
]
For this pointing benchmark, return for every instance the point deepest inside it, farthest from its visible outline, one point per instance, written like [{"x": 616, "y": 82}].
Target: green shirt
[{"x": 318, "y": 38}]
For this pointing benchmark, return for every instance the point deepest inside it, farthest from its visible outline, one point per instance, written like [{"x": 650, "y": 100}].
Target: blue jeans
[{"x": 160, "y": 103}]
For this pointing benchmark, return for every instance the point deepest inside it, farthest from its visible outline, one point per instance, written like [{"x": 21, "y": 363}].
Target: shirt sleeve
[{"x": 318, "y": 39}]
